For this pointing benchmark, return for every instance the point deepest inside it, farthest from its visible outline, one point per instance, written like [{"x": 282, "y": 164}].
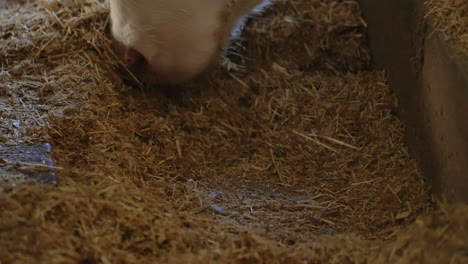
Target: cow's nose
[
  {"x": 129, "y": 56},
  {"x": 132, "y": 57}
]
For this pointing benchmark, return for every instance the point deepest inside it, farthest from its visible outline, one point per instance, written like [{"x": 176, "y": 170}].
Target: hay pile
[
  {"x": 296, "y": 157},
  {"x": 451, "y": 19}
]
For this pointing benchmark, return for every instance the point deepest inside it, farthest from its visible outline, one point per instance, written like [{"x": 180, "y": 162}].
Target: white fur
[{"x": 178, "y": 38}]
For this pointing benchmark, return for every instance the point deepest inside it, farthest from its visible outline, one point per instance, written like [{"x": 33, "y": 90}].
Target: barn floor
[{"x": 297, "y": 156}]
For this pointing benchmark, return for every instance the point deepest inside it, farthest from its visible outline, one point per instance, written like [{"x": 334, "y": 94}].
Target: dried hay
[
  {"x": 296, "y": 157},
  {"x": 436, "y": 238},
  {"x": 451, "y": 19}
]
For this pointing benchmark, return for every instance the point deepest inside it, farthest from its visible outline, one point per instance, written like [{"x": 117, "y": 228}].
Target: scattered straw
[
  {"x": 297, "y": 157},
  {"x": 451, "y": 19}
]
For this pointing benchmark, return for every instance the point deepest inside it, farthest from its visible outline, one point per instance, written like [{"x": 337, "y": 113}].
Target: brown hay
[
  {"x": 439, "y": 237},
  {"x": 296, "y": 158},
  {"x": 450, "y": 17}
]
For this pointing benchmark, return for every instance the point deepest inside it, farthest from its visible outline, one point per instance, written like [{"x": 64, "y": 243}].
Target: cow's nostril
[
  {"x": 132, "y": 57},
  {"x": 129, "y": 56}
]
